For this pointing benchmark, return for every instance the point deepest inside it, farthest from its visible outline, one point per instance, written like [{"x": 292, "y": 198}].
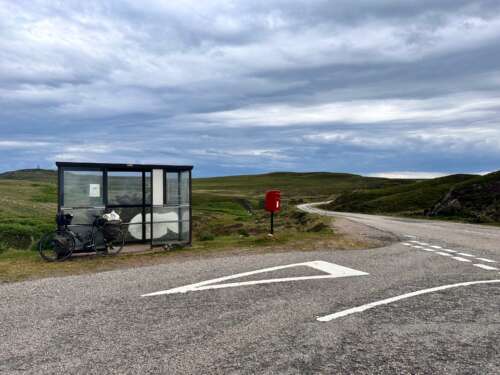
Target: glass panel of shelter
[
  {"x": 125, "y": 197},
  {"x": 83, "y": 197},
  {"x": 167, "y": 225}
]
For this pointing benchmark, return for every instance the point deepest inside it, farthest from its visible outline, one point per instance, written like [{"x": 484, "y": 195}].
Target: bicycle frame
[{"x": 89, "y": 243}]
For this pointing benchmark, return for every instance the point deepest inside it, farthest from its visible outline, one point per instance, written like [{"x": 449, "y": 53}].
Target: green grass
[
  {"x": 227, "y": 211},
  {"x": 27, "y": 210},
  {"x": 411, "y": 198},
  {"x": 33, "y": 175},
  {"x": 293, "y": 185},
  {"x": 477, "y": 199}
]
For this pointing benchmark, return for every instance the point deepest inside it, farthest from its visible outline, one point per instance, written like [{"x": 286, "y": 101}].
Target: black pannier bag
[
  {"x": 61, "y": 242},
  {"x": 63, "y": 219},
  {"x": 112, "y": 230}
]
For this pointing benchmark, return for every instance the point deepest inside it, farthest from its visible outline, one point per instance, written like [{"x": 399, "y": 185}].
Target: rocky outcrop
[{"x": 477, "y": 200}]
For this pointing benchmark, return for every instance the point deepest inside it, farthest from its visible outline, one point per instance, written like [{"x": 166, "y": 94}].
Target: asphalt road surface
[{"x": 426, "y": 304}]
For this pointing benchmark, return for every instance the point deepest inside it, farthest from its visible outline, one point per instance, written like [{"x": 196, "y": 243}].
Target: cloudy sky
[{"x": 375, "y": 87}]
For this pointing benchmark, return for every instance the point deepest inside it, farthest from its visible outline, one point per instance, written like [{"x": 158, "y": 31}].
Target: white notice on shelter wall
[{"x": 94, "y": 190}]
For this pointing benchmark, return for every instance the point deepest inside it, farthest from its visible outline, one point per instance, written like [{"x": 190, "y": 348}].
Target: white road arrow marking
[{"x": 332, "y": 271}]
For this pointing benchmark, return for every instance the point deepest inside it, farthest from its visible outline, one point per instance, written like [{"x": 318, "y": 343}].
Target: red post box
[
  {"x": 273, "y": 204},
  {"x": 273, "y": 200}
]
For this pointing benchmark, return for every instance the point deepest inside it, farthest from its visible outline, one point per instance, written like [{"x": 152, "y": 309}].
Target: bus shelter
[{"x": 153, "y": 201}]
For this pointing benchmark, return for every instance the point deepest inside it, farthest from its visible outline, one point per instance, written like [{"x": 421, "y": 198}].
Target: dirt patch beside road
[{"x": 360, "y": 233}]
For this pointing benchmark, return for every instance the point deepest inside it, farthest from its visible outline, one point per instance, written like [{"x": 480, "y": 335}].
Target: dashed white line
[
  {"x": 368, "y": 306},
  {"x": 485, "y": 267},
  {"x": 486, "y": 260},
  {"x": 454, "y": 254}
]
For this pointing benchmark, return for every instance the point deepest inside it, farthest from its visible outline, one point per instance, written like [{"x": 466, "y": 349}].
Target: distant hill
[
  {"x": 476, "y": 199},
  {"x": 471, "y": 197},
  {"x": 313, "y": 185},
  {"x": 35, "y": 175}
]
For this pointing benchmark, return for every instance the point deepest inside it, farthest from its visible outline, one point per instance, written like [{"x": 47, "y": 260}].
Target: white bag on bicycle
[{"x": 112, "y": 216}]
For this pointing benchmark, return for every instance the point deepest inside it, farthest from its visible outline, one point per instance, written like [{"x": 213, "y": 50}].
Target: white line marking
[
  {"x": 461, "y": 259},
  {"x": 466, "y": 254},
  {"x": 486, "y": 260},
  {"x": 450, "y": 251},
  {"x": 429, "y": 250},
  {"x": 418, "y": 247},
  {"x": 443, "y": 254},
  {"x": 485, "y": 267},
  {"x": 436, "y": 247},
  {"x": 332, "y": 270},
  {"x": 406, "y": 244},
  {"x": 414, "y": 241},
  {"x": 368, "y": 306}
]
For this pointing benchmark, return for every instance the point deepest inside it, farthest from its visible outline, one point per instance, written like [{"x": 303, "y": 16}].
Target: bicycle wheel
[
  {"x": 115, "y": 244},
  {"x": 56, "y": 246}
]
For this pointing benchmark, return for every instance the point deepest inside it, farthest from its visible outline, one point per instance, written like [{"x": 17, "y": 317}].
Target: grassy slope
[
  {"x": 26, "y": 211},
  {"x": 27, "y": 206},
  {"x": 225, "y": 203},
  {"x": 476, "y": 199},
  {"x": 293, "y": 185},
  {"x": 411, "y": 199},
  {"x": 33, "y": 175}
]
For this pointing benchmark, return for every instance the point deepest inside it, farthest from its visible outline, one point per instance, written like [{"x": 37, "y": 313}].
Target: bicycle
[{"x": 60, "y": 244}]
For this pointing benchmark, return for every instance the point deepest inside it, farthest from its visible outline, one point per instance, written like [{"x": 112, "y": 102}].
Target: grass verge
[{"x": 21, "y": 265}]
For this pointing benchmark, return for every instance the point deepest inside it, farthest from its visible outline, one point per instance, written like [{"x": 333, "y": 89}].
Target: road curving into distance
[{"x": 485, "y": 239}]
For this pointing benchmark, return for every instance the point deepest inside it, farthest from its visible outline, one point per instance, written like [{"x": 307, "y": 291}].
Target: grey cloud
[{"x": 371, "y": 86}]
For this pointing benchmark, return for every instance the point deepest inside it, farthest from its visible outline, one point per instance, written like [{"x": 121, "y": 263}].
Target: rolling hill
[
  {"x": 467, "y": 197},
  {"x": 312, "y": 185},
  {"x": 35, "y": 175},
  {"x": 476, "y": 199}
]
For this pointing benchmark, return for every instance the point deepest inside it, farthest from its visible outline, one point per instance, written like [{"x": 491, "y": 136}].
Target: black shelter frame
[{"x": 153, "y": 200}]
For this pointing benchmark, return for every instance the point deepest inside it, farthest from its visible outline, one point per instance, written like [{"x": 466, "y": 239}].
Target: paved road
[{"x": 102, "y": 323}]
